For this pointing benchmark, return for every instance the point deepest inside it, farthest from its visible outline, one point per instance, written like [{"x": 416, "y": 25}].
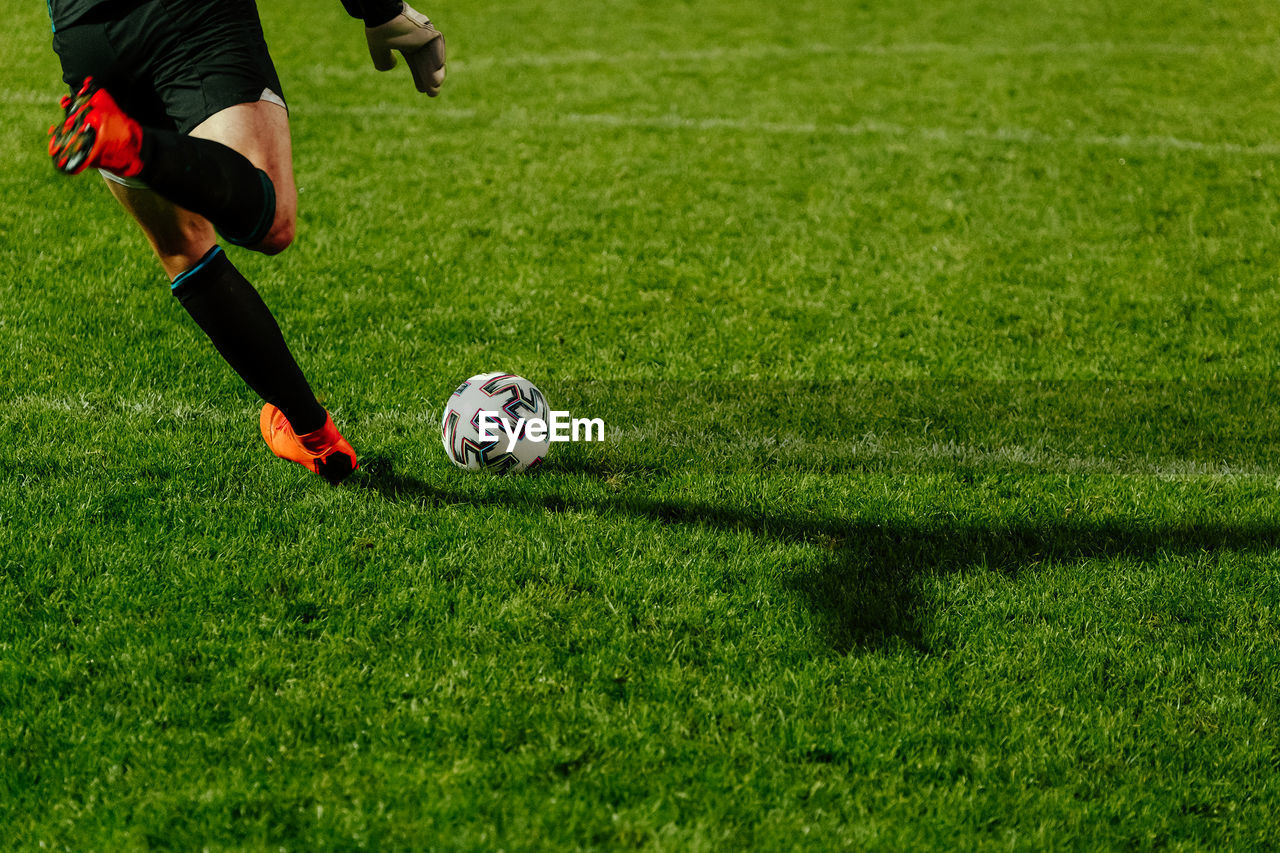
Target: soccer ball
[{"x": 506, "y": 398}]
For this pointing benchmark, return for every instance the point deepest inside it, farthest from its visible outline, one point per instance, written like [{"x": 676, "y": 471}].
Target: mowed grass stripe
[{"x": 740, "y": 446}]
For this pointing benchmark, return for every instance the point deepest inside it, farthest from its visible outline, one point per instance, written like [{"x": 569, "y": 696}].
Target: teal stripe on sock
[{"x": 183, "y": 276}]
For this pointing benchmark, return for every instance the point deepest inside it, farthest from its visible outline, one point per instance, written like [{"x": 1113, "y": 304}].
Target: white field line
[
  {"x": 646, "y": 58},
  {"x": 863, "y": 449},
  {"x": 394, "y": 111},
  {"x": 31, "y": 97},
  {"x": 755, "y": 51}
]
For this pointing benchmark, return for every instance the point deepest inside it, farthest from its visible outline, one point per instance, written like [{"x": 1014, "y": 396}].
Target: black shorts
[{"x": 171, "y": 63}]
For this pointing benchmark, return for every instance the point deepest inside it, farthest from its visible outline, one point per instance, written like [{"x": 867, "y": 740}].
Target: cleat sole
[{"x": 70, "y": 146}]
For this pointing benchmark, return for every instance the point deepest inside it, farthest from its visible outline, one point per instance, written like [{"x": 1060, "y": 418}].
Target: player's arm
[{"x": 394, "y": 25}]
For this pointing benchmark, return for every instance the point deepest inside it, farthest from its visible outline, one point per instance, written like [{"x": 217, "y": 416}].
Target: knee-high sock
[
  {"x": 225, "y": 305},
  {"x": 210, "y": 179}
]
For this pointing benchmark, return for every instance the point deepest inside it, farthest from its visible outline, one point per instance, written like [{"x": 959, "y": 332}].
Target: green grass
[{"x": 941, "y": 502}]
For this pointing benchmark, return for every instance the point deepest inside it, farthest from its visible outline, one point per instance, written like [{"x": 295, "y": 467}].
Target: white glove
[{"x": 421, "y": 45}]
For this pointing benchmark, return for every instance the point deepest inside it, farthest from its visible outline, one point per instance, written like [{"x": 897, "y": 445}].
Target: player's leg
[
  {"x": 234, "y": 168},
  {"x": 214, "y": 152},
  {"x": 185, "y": 98},
  {"x": 219, "y": 299},
  {"x": 241, "y": 327},
  {"x": 260, "y": 132},
  {"x": 179, "y": 237},
  {"x": 257, "y": 133}
]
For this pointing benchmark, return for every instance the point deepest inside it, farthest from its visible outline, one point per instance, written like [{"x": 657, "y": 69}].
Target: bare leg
[
  {"x": 259, "y": 131},
  {"x": 179, "y": 237}
]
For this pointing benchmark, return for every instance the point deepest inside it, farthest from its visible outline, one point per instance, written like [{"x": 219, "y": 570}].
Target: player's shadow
[{"x": 866, "y": 591}]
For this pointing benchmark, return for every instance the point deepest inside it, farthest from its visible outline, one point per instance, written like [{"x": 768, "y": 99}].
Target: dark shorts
[{"x": 171, "y": 63}]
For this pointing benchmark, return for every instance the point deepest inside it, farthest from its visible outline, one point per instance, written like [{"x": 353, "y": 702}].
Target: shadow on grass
[{"x": 866, "y": 594}]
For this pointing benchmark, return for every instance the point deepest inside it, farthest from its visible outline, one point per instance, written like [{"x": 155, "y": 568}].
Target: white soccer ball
[{"x": 508, "y": 399}]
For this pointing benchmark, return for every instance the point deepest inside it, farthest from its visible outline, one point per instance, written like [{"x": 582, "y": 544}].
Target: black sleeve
[{"x": 373, "y": 12}]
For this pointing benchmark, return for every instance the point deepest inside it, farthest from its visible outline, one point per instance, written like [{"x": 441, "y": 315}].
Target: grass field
[{"x": 941, "y": 498}]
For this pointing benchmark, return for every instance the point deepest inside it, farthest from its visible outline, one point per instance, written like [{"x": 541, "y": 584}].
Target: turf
[{"x": 939, "y": 507}]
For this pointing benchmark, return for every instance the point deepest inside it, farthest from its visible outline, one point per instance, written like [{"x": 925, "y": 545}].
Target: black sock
[
  {"x": 225, "y": 305},
  {"x": 210, "y": 179}
]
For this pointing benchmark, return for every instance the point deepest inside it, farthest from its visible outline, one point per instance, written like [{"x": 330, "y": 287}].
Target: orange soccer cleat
[
  {"x": 96, "y": 133},
  {"x": 324, "y": 452}
]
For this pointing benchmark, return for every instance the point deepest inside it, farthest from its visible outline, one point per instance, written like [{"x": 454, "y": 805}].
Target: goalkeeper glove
[{"x": 421, "y": 45}]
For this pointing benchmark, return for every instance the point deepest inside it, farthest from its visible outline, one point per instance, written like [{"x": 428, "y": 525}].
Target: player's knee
[
  {"x": 257, "y": 220},
  {"x": 278, "y": 238}
]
